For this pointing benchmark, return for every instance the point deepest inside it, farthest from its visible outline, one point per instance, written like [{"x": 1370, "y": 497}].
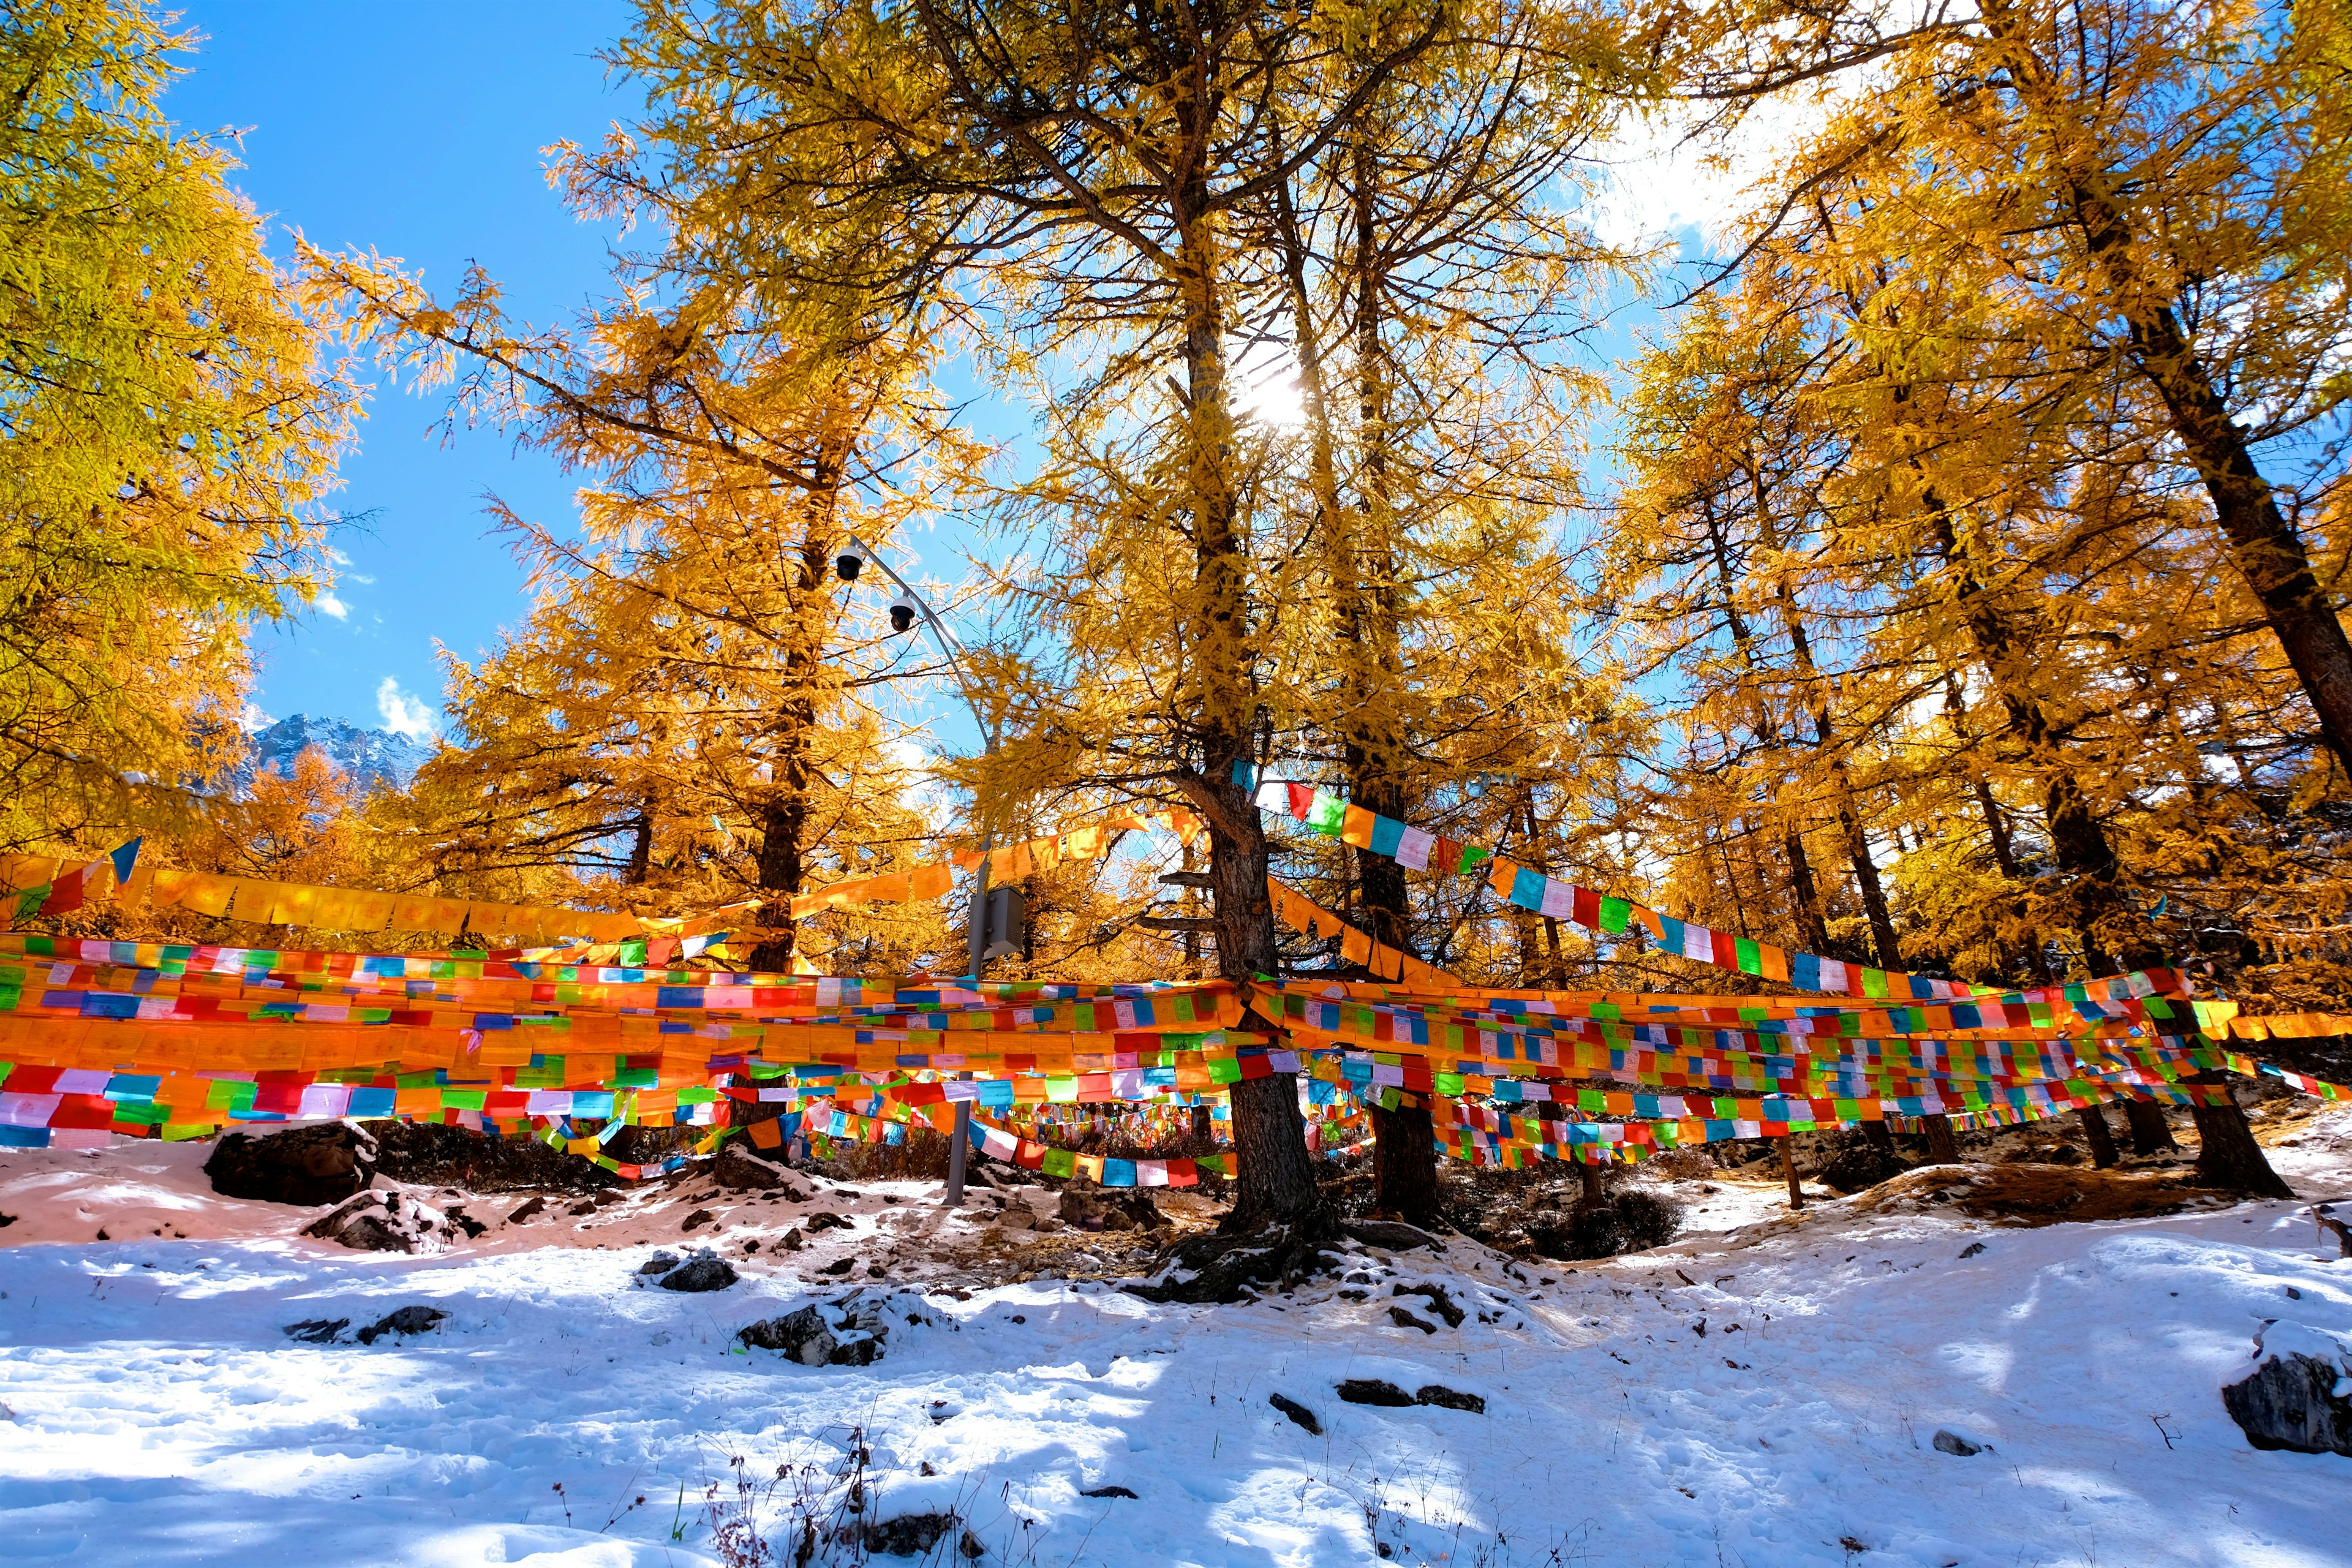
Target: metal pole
[
  {"x": 976, "y": 924},
  {"x": 960, "y": 1140}
]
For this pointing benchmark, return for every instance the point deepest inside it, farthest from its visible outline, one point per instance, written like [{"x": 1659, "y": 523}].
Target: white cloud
[
  {"x": 1662, "y": 183},
  {"x": 331, "y": 605},
  {"x": 403, "y": 714}
]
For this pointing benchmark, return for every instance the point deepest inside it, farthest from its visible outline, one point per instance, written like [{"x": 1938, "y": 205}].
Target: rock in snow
[
  {"x": 407, "y": 1320},
  {"x": 2297, "y": 1398},
  {"x": 303, "y": 1165},
  {"x": 848, "y": 1331},
  {"x": 1297, "y": 1412},
  {"x": 389, "y": 1222},
  {"x": 703, "y": 1273}
]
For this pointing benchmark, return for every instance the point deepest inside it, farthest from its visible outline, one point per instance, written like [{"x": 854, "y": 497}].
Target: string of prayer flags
[{"x": 1529, "y": 889}]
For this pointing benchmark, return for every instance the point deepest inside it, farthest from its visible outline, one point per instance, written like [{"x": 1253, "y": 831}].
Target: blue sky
[
  {"x": 413, "y": 130},
  {"x": 416, "y": 132}
]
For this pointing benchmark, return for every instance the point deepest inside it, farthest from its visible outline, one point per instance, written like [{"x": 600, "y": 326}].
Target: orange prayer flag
[
  {"x": 931, "y": 881},
  {"x": 895, "y": 888},
  {"x": 204, "y": 894}
]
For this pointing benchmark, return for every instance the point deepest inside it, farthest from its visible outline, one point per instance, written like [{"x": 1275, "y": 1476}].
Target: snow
[{"x": 1763, "y": 1393}]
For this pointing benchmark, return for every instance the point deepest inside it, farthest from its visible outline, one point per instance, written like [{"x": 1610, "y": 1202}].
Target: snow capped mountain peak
[{"x": 369, "y": 757}]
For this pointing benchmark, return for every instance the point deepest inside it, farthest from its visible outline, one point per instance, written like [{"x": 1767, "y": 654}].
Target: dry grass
[{"x": 2028, "y": 1194}]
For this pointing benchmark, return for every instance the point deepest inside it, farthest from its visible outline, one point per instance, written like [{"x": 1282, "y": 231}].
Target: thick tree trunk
[
  {"x": 2150, "y": 1133},
  {"x": 1274, "y": 1178},
  {"x": 1405, "y": 1162},
  {"x": 1866, "y": 878},
  {"x": 1876, "y": 1134},
  {"x": 783, "y": 821},
  {"x": 1941, "y": 1149},
  {"x": 2101, "y": 1137},
  {"x": 1789, "y": 1166},
  {"x": 1594, "y": 1192},
  {"x": 2227, "y": 1154},
  {"x": 2263, "y": 545},
  {"x": 641, "y": 848},
  {"x": 1810, "y": 915}
]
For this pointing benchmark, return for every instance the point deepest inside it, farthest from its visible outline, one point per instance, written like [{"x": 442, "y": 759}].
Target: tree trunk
[
  {"x": 1941, "y": 1149},
  {"x": 1204, "y": 1128},
  {"x": 1594, "y": 1193},
  {"x": 1802, "y": 888},
  {"x": 1363, "y": 568},
  {"x": 2150, "y": 1133},
  {"x": 641, "y": 848},
  {"x": 1876, "y": 1134},
  {"x": 1789, "y": 1164},
  {"x": 1274, "y": 1178},
  {"x": 784, "y": 818},
  {"x": 2101, "y": 1137},
  {"x": 1405, "y": 1162},
  {"x": 1866, "y": 878},
  {"x": 2263, "y": 545},
  {"x": 2227, "y": 1154}
]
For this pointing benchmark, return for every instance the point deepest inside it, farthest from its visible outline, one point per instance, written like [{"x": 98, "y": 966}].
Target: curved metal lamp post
[{"x": 846, "y": 567}]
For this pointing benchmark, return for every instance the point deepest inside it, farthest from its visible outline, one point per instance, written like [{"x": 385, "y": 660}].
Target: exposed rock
[
  {"x": 526, "y": 1210},
  {"x": 1017, "y": 1216},
  {"x": 1948, "y": 1442},
  {"x": 1087, "y": 1207},
  {"x": 699, "y": 1274},
  {"x": 410, "y": 1320},
  {"x": 699, "y": 1217},
  {"x": 317, "y": 1331},
  {"x": 1393, "y": 1233},
  {"x": 739, "y": 1168},
  {"x": 1121, "y": 1491},
  {"x": 1449, "y": 1398},
  {"x": 384, "y": 1222},
  {"x": 792, "y": 1240},
  {"x": 1297, "y": 1412},
  {"x": 1373, "y": 1391},
  {"x": 436, "y": 1154},
  {"x": 303, "y": 1165},
  {"x": 659, "y": 1263},
  {"x": 849, "y": 1330},
  {"x": 1437, "y": 1297},
  {"x": 1405, "y": 1319},
  {"x": 1973, "y": 1250},
  {"x": 825, "y": 1220},
  {"x": 839, "y": 1266},
  {"x": 2297, "y": 1398}
]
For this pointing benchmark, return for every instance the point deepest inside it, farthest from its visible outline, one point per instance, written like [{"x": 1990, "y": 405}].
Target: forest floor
[{"x": 1766, "y": 1390}]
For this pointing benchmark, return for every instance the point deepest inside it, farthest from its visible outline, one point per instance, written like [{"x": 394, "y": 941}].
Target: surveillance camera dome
[
  {"x": 847, "y": 564},
  {"x": 902, "y": 616}
]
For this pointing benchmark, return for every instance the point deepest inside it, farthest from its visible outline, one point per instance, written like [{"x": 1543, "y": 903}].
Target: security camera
[
  {"x": 847, "y": 564},
  {"x": 902, "y": 613}
]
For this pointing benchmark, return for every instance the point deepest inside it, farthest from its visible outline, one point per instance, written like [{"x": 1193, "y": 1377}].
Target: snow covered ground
[{"x": 1759, "y": 1395}]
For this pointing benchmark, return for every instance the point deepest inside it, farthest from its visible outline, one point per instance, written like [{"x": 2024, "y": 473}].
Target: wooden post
[{"x": 1788, "y": 1163}]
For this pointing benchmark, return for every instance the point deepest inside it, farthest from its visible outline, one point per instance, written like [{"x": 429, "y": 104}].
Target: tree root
[{"x": 1224, "y": 1268}]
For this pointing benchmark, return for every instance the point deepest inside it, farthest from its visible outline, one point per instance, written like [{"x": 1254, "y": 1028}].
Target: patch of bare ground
[{"x": 2022, "y": 1194}]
